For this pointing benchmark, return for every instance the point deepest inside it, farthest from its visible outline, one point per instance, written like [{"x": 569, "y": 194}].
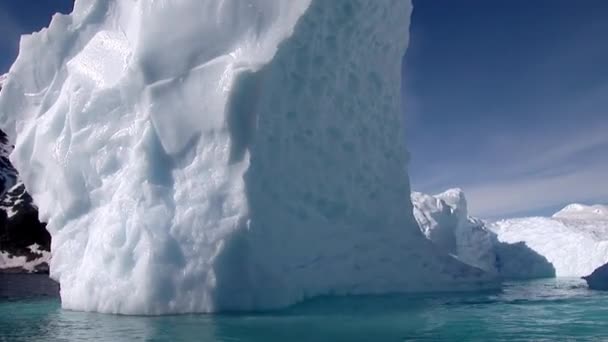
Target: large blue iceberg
[{"x": 209, "y": 155}]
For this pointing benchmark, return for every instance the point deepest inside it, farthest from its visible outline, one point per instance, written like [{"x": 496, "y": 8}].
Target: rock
[
  {"x": 598, "y": 280},
  {"x": 25, "y": 243}
]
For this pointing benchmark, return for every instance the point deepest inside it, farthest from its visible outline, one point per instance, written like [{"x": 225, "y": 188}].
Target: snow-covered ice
[
  {"x": 583, "y": 212},
  {"x": 574, "y": 240},
  {"x": 571, "y": 243},
  {"x": 444, "y": 220},
  {"x": 205, "y": 155}
]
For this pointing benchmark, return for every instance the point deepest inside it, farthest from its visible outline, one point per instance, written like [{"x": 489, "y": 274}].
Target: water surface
[{"x": 541, "y": 310}]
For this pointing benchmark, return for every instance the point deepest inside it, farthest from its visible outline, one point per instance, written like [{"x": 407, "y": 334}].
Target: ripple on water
[{"x": 541, "y": 310}]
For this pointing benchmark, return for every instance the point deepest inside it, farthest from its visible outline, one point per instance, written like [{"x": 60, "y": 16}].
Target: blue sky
[
  {"x": 509, "y": 101},
  {"x": 505, "y": 99},
  {"x": 24, "y": 16}
]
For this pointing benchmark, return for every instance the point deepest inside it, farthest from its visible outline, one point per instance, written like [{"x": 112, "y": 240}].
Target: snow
[
  {"x": 445, "y": 221},
  {"x": 8, "y": 261},
  {"x": 201, "y": 156},
  {"x": 583, "y": 212},
  {"x": 8, "y": 204},
  {"x": 574, "y": 240}
]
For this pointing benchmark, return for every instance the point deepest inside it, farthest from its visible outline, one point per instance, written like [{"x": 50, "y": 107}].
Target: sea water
[{"x": 540, "y": 310}]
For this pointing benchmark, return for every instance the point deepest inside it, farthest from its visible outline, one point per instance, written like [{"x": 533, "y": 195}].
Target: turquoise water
[{"x": 542, "y": 310}]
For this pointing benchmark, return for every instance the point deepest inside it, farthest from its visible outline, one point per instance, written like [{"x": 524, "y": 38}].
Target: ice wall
[
  {"x": 574, "y": 240},
  {"x": 444, "y": 220},
  {"x": 206, "y": 155}
]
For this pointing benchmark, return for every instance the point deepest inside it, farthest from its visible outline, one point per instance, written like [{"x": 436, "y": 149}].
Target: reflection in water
[{"x": 537, "y": 310}]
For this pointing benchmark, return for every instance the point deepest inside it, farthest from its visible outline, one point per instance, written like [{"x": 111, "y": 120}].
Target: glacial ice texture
[
  {"x": 574, "y": 240},
  {"x": 444, "y": 220},
  {"x": 206, "y": 155}
]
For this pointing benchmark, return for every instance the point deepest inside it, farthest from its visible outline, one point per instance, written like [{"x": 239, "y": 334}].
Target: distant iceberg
[
  {"x": 571, "y": 243},
  {"x": 207, "y": 155},
  {"x": 580, "y": 212},
  {"x": 444, "y": 220},
  {"x": 574, "y": 240}
]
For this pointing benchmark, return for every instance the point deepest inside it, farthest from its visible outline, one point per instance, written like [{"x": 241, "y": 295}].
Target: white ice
[
  {"x": 583, "y": 212},
  {"x": 207, "y": 155},
  {"x": 445, "y": 221},
  {"x": 574, "y": 240}
]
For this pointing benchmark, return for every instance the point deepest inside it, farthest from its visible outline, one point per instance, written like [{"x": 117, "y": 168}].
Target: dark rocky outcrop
[
  {"x": 598, "y": 280},
  {"x": 20, "y": 228}
]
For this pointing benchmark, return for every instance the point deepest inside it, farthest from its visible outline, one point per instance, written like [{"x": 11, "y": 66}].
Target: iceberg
[
  {"x": 574, "y": 240},
  {"x": 206, "y": 155},
  {"x": 583, "y": 212},
  {"x": 444, "y": 220}
]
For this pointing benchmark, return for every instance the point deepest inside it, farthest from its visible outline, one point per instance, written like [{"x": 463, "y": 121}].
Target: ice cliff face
[
  {"x": 571, "y": 243},
  {"x": 445, "y": 221},
  {"x": 574, "y": 240},
  {"x": 211, "y": 155}
]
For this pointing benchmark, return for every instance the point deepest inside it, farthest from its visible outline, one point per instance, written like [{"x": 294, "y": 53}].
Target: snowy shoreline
[{"x": 36, "y": 261}]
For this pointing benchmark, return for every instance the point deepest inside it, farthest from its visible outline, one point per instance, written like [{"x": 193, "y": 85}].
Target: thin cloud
[
  {"x": 509, "y": 197},
  {"x": 536, "y": 173},
  {"x": 560, "y": 162}
]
